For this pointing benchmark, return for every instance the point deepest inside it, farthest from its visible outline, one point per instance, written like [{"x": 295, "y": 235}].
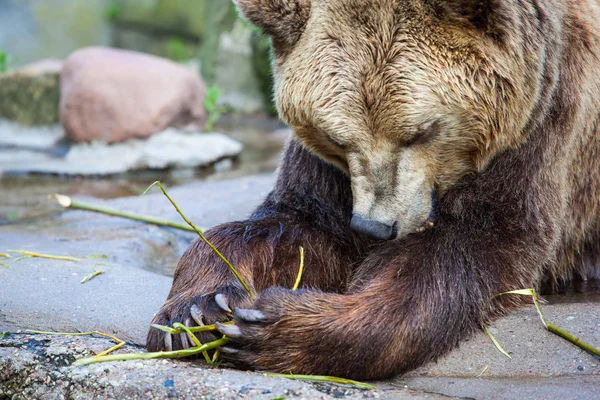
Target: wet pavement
[{"x": 46, "y": 295}]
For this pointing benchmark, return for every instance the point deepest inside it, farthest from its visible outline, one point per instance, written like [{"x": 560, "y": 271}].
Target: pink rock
[{"x": 113, "y": 95}]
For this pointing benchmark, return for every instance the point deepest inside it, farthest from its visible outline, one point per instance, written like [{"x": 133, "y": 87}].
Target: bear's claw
[
  {"x": 185, "y": 343},
  {"x": 250, "y": 315},
  {"x": 196, "y": 314},
  {"x": 229, "y": 350},
  {"x": 223, "y": 302},
  {"x": 195, "y": 310},
  {"x": 232, "y": 331}
]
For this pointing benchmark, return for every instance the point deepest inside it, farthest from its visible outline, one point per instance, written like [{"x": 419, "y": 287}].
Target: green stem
[
  {"x": 330, "y": 379},
  {"x": 573, "y": 339},
  {"x": 498, "y": 346},
  {"x": 150, "y": 356},
  {"x": 209, "y": 244},
  {"x": 178, "y": 325},
  {"x": 300, "y": 270},
  {"x": 68, "y": 202},
  {"x": 92, "y": 275},
  {"x": 550, "y": 327},
  {"x": 40, "y": 255},
  {"x": 203, "y": 328}
]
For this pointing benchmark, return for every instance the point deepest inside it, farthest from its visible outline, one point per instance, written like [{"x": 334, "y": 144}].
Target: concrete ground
[{"x": 46, "y": 294}]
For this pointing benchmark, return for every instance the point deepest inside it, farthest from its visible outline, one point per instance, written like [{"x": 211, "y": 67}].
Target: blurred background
[{"x": 80, "y": 119}]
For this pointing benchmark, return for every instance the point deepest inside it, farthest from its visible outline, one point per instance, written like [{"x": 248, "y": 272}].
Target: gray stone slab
[
  {"x": 46, "y": 294},
  {"x": 568, "y": 387},
  {"x": 543, "y": 365},
  {"x": 534, "y": 350}
]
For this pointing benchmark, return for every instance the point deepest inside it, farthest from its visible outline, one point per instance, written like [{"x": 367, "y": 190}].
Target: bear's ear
[{"x": 282, "y": 20}]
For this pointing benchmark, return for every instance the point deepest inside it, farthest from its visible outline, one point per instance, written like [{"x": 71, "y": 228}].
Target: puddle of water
[
  {"x": 577, "y": 291},
  {"x": 24, "y": 197}
]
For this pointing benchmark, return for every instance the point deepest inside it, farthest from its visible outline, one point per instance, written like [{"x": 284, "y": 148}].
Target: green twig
[
  {"x": 22, "y": 258},
  {"x": 330, "y": 379},
  {"x": 68, "y": 202},
  {"x": 149, "y": 356},
  {"x": 500, "y": 349},
  {"x": 174, "y": 331},
  {"x": 573, "y": 339},
  {"x": 40, "y": 255},
  {"x": 92, "y": 275},
  {"x": 100, "y": 264},
  {"x": 203, "y": 328},
  {"x": 550, "y": 327},
  {"x": 527, "y": 292},
  {"x": 483, "y": 371},
  {"x": 300, "y": 269},
  {"x": 178, "y": 325},
  {"x": 97, "y": 256},
  {"x": 120, "y": 343},
  {"x": 208, "y": 243}
]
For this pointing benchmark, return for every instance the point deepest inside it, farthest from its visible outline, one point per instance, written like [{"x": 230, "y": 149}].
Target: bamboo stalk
[
  {"x": 550, "y": 327},
  {"x": 317, "y": 378},
  {"x": 68, "y": 202},
  {"x": 40, "y": 255},
  {"x": 573, "y": 339},
  {"x": 150, "y": 356},
  {"x": 92, "y": 275},
  {"x": 498, "y": 346},
  {"x": 483, "y": 371},
  {"x": 178, "y": 325},
  {"x": 208, "y": 243},
  {"x": 22, "y": 258},
  {"x": 120, "y": 343},
  {"x": 300, "y": 269},
  {"x": 203, "y": 328},
  {"x": 104, "y": 256}
]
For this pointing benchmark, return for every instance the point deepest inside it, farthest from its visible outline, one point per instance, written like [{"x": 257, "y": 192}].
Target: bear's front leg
[
  {"x": 310, "y": 207},
  {"x": 413, "y": 301}
]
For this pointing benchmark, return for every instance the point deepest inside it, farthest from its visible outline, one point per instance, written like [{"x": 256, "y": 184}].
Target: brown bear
[{"x": 445, "y": 151}]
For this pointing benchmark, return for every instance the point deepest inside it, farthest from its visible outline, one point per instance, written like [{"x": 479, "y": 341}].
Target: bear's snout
[{"x": 372, "y": 228}]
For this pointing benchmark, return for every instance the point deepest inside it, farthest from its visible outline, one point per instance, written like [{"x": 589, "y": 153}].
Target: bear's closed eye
[{"x": 424, "y": 135}]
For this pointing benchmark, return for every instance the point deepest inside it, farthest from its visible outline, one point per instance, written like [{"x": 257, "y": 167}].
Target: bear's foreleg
[
  {"x": 412, "y": 301},
  {"x": 310, "y": 207}
]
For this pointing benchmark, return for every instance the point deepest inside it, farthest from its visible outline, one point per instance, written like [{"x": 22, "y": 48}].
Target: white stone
[{"x": 171, "y": 148}]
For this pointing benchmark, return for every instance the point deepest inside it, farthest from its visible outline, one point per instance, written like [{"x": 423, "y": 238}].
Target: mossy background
[{"x": 181, "y": 30}]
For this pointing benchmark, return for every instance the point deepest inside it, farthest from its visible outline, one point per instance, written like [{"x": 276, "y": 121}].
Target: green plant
[
  {"x": 213, "y": 109},
  {"x": 4, "y": 59},
  {"x": 177, "y": 50},
  {"x": 112, "y": 12}
]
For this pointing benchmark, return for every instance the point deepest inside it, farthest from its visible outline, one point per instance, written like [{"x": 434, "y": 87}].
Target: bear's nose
[{"x": 372, "y": 228}]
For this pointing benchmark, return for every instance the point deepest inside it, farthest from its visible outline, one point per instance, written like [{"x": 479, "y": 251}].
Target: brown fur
[{"x": 493, "y": 104}]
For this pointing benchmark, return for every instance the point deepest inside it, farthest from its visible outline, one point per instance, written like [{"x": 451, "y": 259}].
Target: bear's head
[{"x": 406, "y": 96}]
